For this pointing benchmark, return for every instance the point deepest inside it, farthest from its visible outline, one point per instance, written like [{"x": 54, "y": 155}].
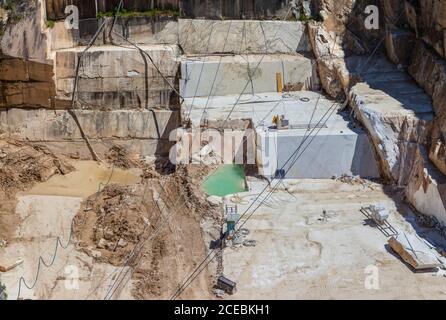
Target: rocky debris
[
  {"x": 118, "y": 223},
  {"x": 120, "y": 158},
  {"x": 431, "y": 222},
  {"x": 126, "y": 226},
  {"x": 22, "y": 165},
  {"x": 214, "y": 200},
  {"x": 350, "y": 179}
]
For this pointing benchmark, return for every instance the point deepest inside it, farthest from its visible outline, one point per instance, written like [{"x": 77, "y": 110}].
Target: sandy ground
[
  {"x": 45, "y": 213},
  {"x": 80, "y": 269},
  {"x": 302, "y": 255}
]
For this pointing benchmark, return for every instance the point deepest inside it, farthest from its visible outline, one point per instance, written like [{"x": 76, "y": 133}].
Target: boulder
[{"x": 414, "y": 251}]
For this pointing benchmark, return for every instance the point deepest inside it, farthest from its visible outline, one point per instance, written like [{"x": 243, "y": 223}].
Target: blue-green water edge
[{"x": 226, "y": 179}]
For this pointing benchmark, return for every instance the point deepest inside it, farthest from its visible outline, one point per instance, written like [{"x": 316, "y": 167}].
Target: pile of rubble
[
  {"x": 117, "y": 220},
  {"x": 22, "y": 165},
  {"x": 431, "y": 222}
]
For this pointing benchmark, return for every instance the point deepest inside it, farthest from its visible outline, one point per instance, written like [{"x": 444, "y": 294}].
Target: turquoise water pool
[{"x": 225, "y": 180}]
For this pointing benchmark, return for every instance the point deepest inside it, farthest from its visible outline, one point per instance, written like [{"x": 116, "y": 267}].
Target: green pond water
[{"x": 225, "y": 180}]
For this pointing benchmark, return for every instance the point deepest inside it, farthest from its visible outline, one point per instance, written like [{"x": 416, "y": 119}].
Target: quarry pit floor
[{"x": 302, "y": 254}]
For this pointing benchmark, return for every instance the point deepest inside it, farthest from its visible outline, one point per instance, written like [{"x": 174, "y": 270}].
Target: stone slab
[{"x": 414, "y": 251}]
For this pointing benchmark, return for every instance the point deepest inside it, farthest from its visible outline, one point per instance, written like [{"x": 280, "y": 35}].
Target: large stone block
[
  {"x": 333, "y": 154},
  {"x": 47, "y": 125},
  {"x": 13, "y": 69},
  {"x": 27, "y": 94},
  {"x": 225, "y": 75},
  {"x": 119, "y": 77},
  {"x": 139, "y": 30},
  {"x": 247, "y": 36},
  {"x": 115, "y": 62}
]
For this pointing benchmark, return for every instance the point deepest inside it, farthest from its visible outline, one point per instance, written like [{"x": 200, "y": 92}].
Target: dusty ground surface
[
  {"x": 21, "y": 166},
  {"x": 122, "y": 230},
  {"x": 153, "y": 227},
  {"x": 43, "y": 212},
  {"x": 302, "y": 254}
]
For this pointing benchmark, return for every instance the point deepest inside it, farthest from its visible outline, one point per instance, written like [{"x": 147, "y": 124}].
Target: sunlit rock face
[{"x": 402, "y": 107}]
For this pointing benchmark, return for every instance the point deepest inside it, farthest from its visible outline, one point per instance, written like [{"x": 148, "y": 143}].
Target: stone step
[
  {"x": 196, "y": 36},
  {"x": 49, "y": 125},
  {"x": 114, "y": 77},
  {"x": 242, "y": 36},
  {"x": 215, "y": 75}
]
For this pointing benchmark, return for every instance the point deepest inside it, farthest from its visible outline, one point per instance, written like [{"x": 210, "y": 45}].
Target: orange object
[{"x": 279, "y": 82}]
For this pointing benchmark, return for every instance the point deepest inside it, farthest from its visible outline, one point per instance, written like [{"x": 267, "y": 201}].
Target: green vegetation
[
  {"x": 133, "y": 13},
  {"x": 304, "y": 18},
  {"x": 50, "y": 24},
  {"x": 8, "y": 5}
]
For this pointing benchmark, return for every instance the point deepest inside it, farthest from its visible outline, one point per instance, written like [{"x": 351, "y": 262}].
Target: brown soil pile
[
  {"x": 120, "y": 158},
  {"x": 21, "y": 166},
  {"x": 113, "y": 221},
  {"x": 154, "y": 227}
]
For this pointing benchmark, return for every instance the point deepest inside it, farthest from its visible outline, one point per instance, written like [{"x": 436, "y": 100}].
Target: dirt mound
[
  {"x": 113, "y": 222},
  {"x": 22, "y": 165},
  {"x": 120, "y": 158},
  {"x": 153, "y": 226}
]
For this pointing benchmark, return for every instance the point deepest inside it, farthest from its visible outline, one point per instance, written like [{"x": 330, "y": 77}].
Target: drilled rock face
[
  {"x": 59, "y": 125},
  {"x": 113, "y": 78},
  {"x": 404, "y": 123},
  {"x": 244, "y": 36},
  {"x": 427, "y": 18},
  {"x": 430, "y": 72},
  {"x": 24, "y": 38}
]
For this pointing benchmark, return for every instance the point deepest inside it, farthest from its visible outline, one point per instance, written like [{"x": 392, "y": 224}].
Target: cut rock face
[
  {"x": 118, "y": 77},
  {"x": 401, "y": 119},
  {"x": 245, "y": 36},
  {"x": 227, "y": 75}
]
